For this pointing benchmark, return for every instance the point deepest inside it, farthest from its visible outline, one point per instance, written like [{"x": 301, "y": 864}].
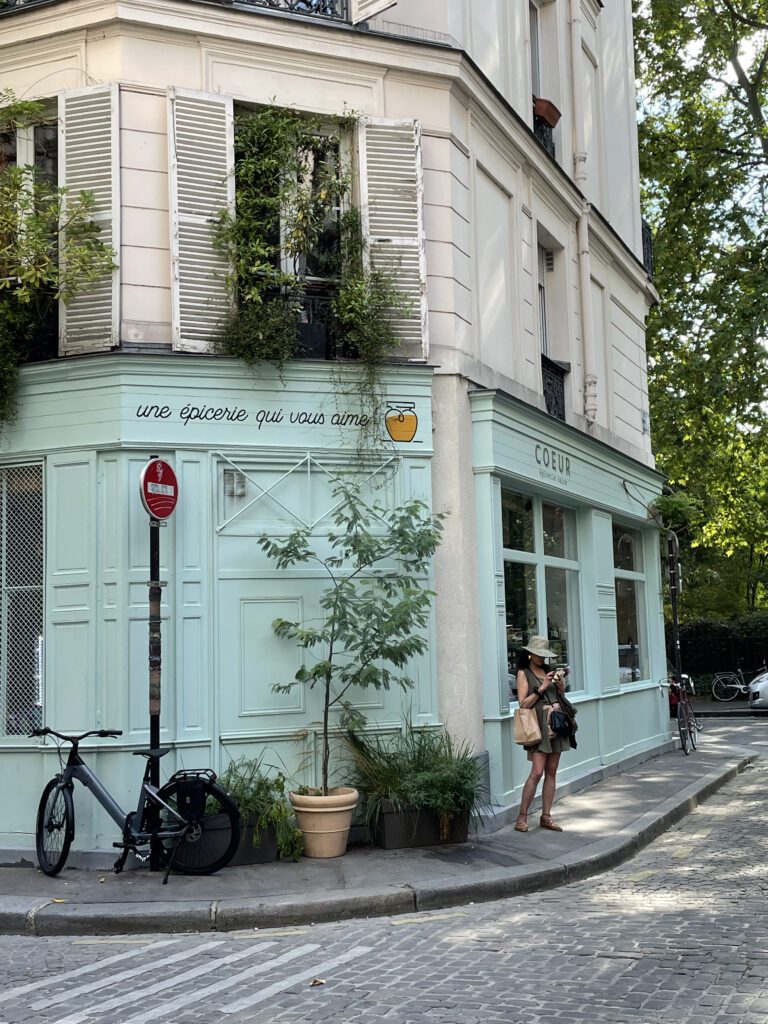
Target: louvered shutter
[
  {"x": 363, "y": 10},
  {"x": 391, "y": 203},
  {"x": 89, "y": 161},
  {"x": 201, "y": 133}
]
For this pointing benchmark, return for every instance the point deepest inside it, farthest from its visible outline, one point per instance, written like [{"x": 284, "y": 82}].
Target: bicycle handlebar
[{"x": 103, "y": 733}]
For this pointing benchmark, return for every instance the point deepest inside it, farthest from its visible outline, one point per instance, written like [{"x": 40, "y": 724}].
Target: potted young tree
[
  {"x": 419, "y": 787},
  {"x": 266, "y": 820},
  {"x": 375, "y": 611}
]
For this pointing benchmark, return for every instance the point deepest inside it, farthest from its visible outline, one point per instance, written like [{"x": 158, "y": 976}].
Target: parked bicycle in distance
[
  {"x": 680, "y": 699},
  {"x": 728, "y": 685},
  {"x": 191, "y": 821}
]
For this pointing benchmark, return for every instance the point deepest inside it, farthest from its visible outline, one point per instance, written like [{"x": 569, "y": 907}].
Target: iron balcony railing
[
  {"x": 553, "y": 378},
  {"x": 335, "y": 10},
  {"x": 648, "y": 249},
  {"x": 544, "y": 134}
]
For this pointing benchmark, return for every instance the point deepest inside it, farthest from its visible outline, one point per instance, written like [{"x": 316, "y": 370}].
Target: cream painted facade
[{"x": 518, "y": 254}]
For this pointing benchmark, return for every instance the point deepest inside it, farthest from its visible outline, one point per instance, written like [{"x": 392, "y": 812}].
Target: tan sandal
[
  {"x": 521, "y": 825},
  {"x": 545, "y": 821}
]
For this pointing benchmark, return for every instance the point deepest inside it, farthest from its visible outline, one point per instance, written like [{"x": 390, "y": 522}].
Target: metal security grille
[{"x": 21, "y": 598}]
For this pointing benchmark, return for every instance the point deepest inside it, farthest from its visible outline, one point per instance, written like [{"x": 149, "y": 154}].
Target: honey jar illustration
[{"x": 402, "y": 421}]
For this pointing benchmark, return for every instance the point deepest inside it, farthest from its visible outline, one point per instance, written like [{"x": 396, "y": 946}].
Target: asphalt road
[{"x": 677, "y": 934}]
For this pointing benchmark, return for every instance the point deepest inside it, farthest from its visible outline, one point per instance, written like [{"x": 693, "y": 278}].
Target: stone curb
[{"x": 28, "y": 916}]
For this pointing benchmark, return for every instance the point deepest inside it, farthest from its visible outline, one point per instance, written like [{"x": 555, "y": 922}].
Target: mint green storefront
[
  {"x": 252, "y": 456},
  {"x": 567, "y": 549}
]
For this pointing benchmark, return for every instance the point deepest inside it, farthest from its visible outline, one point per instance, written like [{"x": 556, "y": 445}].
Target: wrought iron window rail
[
  {"x": 543, "y": 133},
  {"x": 553, "y": 378},
  {"x": 648, "y": 249},
  {"x": 333, "y": 10}
]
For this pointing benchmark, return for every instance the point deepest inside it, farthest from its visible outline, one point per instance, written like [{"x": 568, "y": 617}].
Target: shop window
[
  {"x": 630, "y": 596},
  {"x": 21, "y": 599},
  {"x": 541, "y": 580},
  {"x": 517, "y": 521}
]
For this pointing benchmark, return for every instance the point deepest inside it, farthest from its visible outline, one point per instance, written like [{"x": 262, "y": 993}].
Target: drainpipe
[{"x": 582, "y": 224}]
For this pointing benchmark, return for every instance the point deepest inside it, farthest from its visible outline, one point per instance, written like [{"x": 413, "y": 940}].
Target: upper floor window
[
  {"x": 533, "y": 21},
  {"x": 545, "y": 261},
  {"x": 34, "y": 146}
]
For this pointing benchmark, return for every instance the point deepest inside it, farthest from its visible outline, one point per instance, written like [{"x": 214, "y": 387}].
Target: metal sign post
[
  {"x": 159, "y": 494},
  {"x": 675, "y": 588}
]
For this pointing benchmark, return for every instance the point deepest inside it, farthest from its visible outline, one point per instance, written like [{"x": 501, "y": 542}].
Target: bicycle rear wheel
[
  {"x": 725, "y": 687},
  {"x": 682, "y": 725},
  {"x": 55, "y": 827},
  {"x": 692, "y": 726},
  {"x": 214, "y": 826}
]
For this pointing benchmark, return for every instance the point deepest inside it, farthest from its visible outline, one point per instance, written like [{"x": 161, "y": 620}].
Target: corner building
[{"x": 495, "y": 165}]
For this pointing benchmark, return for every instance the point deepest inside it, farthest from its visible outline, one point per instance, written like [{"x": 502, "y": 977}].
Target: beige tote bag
[{"x": 525, "y": 725}]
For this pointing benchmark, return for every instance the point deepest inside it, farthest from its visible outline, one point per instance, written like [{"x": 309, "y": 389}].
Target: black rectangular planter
[
  {"x": 403, "y": 830},
  {"x": 247, "y": 853}
]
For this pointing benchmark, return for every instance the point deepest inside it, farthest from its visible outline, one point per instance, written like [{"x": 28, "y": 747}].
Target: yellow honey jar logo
[{"x": 401, "y": 420}]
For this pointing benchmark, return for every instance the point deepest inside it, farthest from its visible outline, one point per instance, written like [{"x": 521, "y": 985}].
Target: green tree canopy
[{"x": 702, "y": 67}]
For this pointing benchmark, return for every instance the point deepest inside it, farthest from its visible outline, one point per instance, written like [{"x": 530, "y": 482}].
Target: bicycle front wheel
[
  {"x": 213, "y": 826},
  {"x": 55, "y": 827},
  {"x": 683, "y": 727},
  {"x": 725, "y": 687}
]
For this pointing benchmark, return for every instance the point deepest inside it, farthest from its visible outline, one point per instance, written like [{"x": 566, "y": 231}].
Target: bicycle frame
[{"x": 76, "y": 768}]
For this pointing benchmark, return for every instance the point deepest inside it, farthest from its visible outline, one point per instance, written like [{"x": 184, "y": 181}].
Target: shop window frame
[
  {"x": 541, "y": 562},
  {"x": 637, "y": 576}
]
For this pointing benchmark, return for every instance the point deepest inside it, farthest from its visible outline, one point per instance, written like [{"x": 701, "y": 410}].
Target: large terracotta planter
[{"x": 324, "y": 820}]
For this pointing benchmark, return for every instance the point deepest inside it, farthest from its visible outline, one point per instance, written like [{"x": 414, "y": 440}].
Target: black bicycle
[
  {"x": 688, "y": 724},
  {"x": 190, "y": 821}
]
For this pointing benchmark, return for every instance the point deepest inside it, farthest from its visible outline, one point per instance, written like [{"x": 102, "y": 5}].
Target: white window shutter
[
  {"x": 89, "y": 161},
  {"x": 364, "y": 10},
  {"x": 201, "y": 137},
  {"x": 391, "y": 205}
]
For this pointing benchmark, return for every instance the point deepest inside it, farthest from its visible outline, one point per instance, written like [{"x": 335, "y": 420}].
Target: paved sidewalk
[{"x": 604, "y": 825}]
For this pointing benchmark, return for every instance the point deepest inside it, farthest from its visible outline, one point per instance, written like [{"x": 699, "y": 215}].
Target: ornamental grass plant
[
  {"x": 262, "y": 798},
  {"x": 417, "y": 769}
]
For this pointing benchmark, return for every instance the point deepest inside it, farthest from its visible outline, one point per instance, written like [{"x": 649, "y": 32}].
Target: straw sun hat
[{"x": 539, "y": 645}]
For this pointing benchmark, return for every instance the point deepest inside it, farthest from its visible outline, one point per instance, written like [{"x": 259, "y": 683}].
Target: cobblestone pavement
[{"x": 679, "y": 933}]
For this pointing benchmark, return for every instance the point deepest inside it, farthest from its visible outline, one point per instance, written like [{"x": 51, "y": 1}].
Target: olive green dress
[{"x": 557, "y": 744}]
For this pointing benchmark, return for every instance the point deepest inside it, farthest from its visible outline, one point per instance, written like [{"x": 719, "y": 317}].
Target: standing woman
[{"x": 537, "y": 688}]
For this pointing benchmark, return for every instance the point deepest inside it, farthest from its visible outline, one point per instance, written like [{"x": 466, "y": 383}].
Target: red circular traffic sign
[{"x": 159, "y": 489}]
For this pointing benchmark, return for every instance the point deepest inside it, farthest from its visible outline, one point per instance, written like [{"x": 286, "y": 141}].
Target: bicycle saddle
[{"x": 160, "y": 752}]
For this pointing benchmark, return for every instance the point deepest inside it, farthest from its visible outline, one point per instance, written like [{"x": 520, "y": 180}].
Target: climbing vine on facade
[
  {"x": 295, "y": 245},
  {"x": 49, "y": 250}
]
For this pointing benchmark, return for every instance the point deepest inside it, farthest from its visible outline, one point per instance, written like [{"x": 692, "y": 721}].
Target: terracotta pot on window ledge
[{"x": 546, "y": 110}]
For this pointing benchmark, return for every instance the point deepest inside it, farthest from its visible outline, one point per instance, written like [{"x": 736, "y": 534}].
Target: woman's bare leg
[
  {"x": 531, "y": 783},
  {"x": 550, "y": 777}
]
